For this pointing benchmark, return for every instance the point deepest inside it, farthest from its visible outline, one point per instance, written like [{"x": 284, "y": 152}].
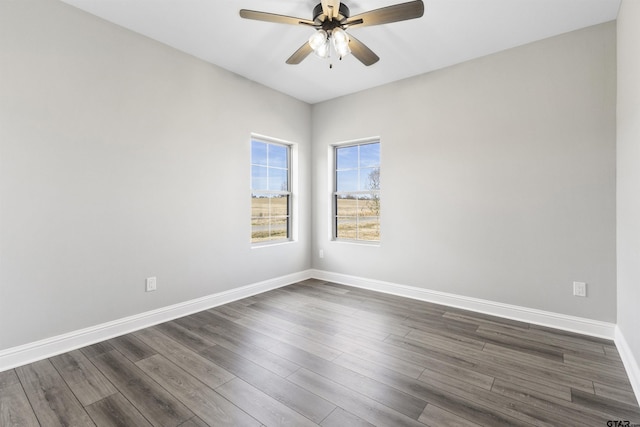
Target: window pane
[
  {"x": 258, "y": 178},
  {"x": 369, "y": 228},
  {"x": 347, "y": 180},
  {"x": 278, "y": 156},
  {"x": 369, "y": 179},
  {"x": 259, "y": 218},
  {"x": 258, "y": 153},
  {"x": 347, "y": 157},
  {"x": 357, "y": 192},
  {"x": 347, "y": 207},
  {"x": 346, "y": 228},
  {"x": 259, "y": 207},
  {"x": 370, "y": 155},
  {"x": 369, "y": 205},
  {"x": 259, "y": 233},
  {"x": 279, "y": 205},
  {"x": 278, "y": 228},
  {"x": 278, "y": 179}
]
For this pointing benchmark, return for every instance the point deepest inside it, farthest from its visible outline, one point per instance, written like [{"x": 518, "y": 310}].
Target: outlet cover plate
[
  {"x": 151, "y": 284},
  {"x": 580, "y": 289}
]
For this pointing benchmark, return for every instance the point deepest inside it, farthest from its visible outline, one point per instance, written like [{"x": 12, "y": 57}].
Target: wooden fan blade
[
  {"x": 300, "y": 54},
  {"x": 386, "y": 15},
  {"x": 362, "y": 52},
  {"x": 330, "y": 8},
  {"x": 272, "y": 17}
]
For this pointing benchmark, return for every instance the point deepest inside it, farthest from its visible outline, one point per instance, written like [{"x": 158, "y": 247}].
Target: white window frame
[
  {"x": 292, "y": 208},
  {"x": 334, "y": 193}
]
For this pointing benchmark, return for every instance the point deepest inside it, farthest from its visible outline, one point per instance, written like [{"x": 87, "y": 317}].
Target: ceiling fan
[{"x": 330, "y": 19}]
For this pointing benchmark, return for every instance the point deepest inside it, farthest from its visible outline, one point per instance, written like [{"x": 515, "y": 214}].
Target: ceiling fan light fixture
[
  {"x": 323, "y": 50},
  {"x": 318, "y": 39},
  {"x": 340, "y": 42}
]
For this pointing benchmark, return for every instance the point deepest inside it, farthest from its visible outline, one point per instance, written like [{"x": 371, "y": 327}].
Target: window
[
  {"x": 270, "y": 191},
  {"x": 356, "y": 197}
]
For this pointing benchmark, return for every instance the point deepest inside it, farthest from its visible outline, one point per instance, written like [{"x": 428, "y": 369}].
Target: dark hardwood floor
[{"x": 317, "y": 353}]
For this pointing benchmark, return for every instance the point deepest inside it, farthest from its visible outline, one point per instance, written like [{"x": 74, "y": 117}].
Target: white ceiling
[{"x": 451, "y": 31}]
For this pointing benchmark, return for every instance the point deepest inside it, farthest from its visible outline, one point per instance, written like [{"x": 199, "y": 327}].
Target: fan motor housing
[{"x": 343, "y": 13}]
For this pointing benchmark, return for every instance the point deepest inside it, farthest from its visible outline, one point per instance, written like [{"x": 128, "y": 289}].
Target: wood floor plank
[
  {"x": 555, "y": 366},
  {"x": 82, "y": 377},
  {"x": 388, "y": 396},
  {"x": 569, "y": 335},
  {"x": 203, "y": 369},
  {"x": 298, "y": 398},
  {"x": 439, "y": 395},
  {"x": 537, "y": 348},
  {"x": 481, "y": 319},
  {"x": 250, "y": 313},
  {"x": 206, "y": 403},
  {"x": 382, "y": 327},
  {"x": 352, "y": 401},
  {"x": 610, "y": 407},
  {"x": 8, "y": 378},
  {"x": 240, "y": 340},
  {"x": 261, "y": 406},
  {"x": 337, "y": 302},
  {"x": 559, "y": 410},
  {"x": 96, "y": 349},
  {"x": 453, "y": 342},
  {"x": 371, "y": 353},
  {"x": 448, "y": 361},
  {"x": 309, "y": 319},
  {"x": 291, "y": 338},
  {"x": 621, "y": 394},
  {"x": 601, "y": 365},
  {"x": 500, "y": 366},
  {"x": 15, "y": 409},
  {"x": 259, "y": 356},
  {"x": 525, "y": 380},
  {"x": 184, "y": 336},
  {"x": 401, "y": 366},
  {"x": 611, "y": 350},
  {"x": 131, "y": 347},
  {"x": 341, "y": 418},
  {"x": 51, "y": 399},
  {"x": 116, "y": 411},
  {"x": 194, "y": 422},
  {"x": 235, "y": 330},
  {"x": 565, "y": 343},
  {"x": 436, "y": 417},
  {"x": 445, "y": 336},
  {"x": 154, "y": 402}
]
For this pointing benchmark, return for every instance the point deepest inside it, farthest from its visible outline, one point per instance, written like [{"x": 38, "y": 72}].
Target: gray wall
[
  {"x": 498, "y": 176},
  {"x": 121, "y": 158},
  {"x": 628, "y": 184}
]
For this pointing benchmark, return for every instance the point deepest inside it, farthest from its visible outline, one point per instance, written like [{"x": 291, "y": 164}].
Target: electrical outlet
[
  {"x": 321, "y": 253},
  {"x": 579, "y": 289},
  {"x": 151, "y": 284}
]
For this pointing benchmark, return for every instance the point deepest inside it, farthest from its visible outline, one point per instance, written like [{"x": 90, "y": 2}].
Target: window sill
[
  {"x": 270, "y": 245},
  {"x": 356, "y": 242}
]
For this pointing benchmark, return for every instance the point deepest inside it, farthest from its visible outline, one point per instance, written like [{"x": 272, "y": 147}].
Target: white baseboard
[
  {"x": 630, "y": 362},
  {"x": 28, "y": 353},
  {"x": 538, "y": 317}
]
